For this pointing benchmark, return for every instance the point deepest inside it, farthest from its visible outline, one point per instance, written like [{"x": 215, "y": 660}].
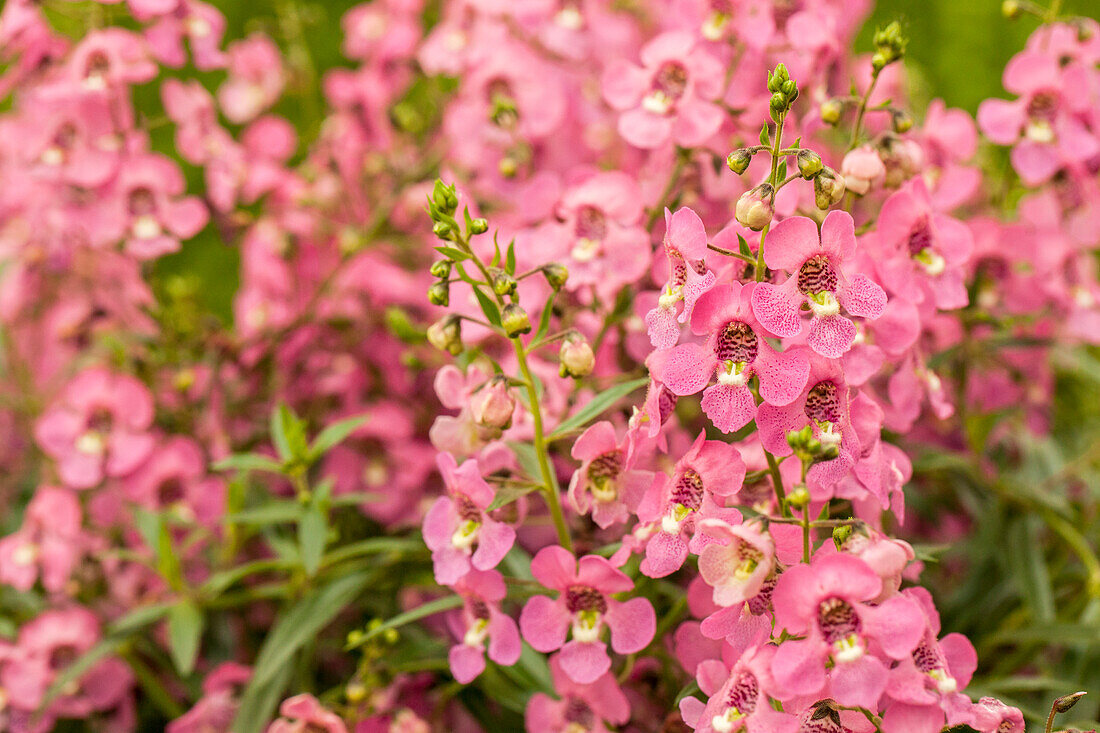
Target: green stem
[
  {"x": 777, "y": 145},
  {"x": 863, "y": 109},
  {"x": 777, "y": 483},
  {"x": 806, "y": 533},
  {"x": 553, "y": 501}
]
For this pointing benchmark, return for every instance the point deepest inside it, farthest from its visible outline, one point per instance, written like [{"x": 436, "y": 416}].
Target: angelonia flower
[{"x": 458, "y": 386}]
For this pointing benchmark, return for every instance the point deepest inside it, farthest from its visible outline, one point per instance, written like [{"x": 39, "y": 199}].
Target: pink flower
[
  {"x": 580, "y": 707},
  {"x": 708, "y": 473},
  {"x": 48, "y": 545},
  {"x": 669, "y": 96},
  {"x": 686, "y": 247},
  {"x": 256, "y": 78},
  {"x": 584, "y": 607},
  {"x": 826, "y": 603},
  {"x": 217, "y": 707},
  {"x": 862, "y": 168},
  {"x": 479, "y": 621},
  {"x": 606, "y": 483},
  {"x": 458, "y": 523},
  {"x": 993, "y": 716},
  {"x": 738, "y": 697},
  {"x": 174, "y": 478},
  {"x": 305, "y": 714},
  {"x": 825, "y": 406},
  {"x": 1043, "y": 123},
  {"x": 735, "y": 351},
  {"x": 737, "y": 569},
  {"x": 923, "y": 247},
  {"x": 819, "y": 279},
  {"x": 97, "y": 427},
  {"x": 600, "y": 237},
  {"x": 201, "y": 24}
]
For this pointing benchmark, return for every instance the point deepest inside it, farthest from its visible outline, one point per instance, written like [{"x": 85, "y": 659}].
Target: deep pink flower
[
  {"x": 218, "y": 706},
  {"x": 922, "y": 246},
  {"x": 606, "y": 484},
  {"x": 825, "y": 602},
  {"x": 586, "y": 708},
  {"x": 305, "y": 714},
  {"x": 672, "y": 508},
  {"x": 993, "y": 716},
  {"x": 174, "y": 478},
  {"x": 97, "y": 427},
  {"x": 48, "y": 545},
  {"x": 201, "y": 24},
  {"x": 738, "y": 568},
  {"x": 256, "y": 78},
  {"x": 670, "y": 96},
  {"x": 738, "y": 697},
  {"x": 825, "y": 406},
  {"x": 686, "y": 248},
  {"x": 584, "y": 607},
  {"x": 820, "y": 279},
  {"x": 479, "y": 621},
  {"x": 735, "y": 350},
  {"x": 458, "y": 523}
]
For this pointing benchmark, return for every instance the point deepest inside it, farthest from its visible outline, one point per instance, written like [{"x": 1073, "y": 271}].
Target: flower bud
[
  {"x": 902, "y": 121},
  {"x": 443, "y": 230},
  {"x": 797, "y": 439},
  {"x": 790, "y": 88},
  {"x": 841, "y": 535},
  {"x": 1011, "y": 9},
  {"x": 754, "y": 210},
  {"x": 576, "y": 357},
  {"x": 798, "y": 498},
  {"x": 890, "y": 45},
  {"x": 738, "y": 161},
  {"x": 444, "y": 197},
  {"x": 441, "y": 269},
  {"x": 556, "y": 275},
  {"x": 502, "y": 282},
  {"x": 809, "y": 163},
  {"x": 514, "y": 320},
  {"x": 862, "y": 168},
  {"x": 779, "y": 103},
  {"x": 478, "y": 226},
  {"x": 439, "y": 294},
  {"x": 1066, "y": 702},
  {"x": 777, "y": 78},
  {"x": 831, "y": 110},
  {"x": 829, "y": 187},
  {"x": 492, "y": 405},
  {"x": 446, "y": 334}
]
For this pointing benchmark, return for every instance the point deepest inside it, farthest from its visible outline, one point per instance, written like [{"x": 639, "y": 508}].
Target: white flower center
[
  {"x": 52, "y": 156},
  {"x": 670, "y": 297},
  {"x": 466, "y": 535},
  {"x": 714, "y": 27},
  {"x": 1039, "y": 131},
  {"x": 587, "y": 626},
  {"x": 732, "y": 373},
  {"x": 91, "y": 443},
  {"x": 848, "y": 649},
  {"x": 477, "y": 633},
  {"x": 585, "y": 250},
  {"x": 146, "y": 227},
  {"x": 932, "y": 263},
  {"x": 823, "y": 304},
  {"x": 657, "y": 102},
  {"x": 570, "y": 18}
]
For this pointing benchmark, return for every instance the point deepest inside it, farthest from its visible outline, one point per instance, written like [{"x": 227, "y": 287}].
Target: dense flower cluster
[{"x": 692, "y": 359}]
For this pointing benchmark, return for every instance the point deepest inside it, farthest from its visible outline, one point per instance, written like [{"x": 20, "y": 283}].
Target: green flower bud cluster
[
  {"x": 784, "y": 91},
  {"x": 889, "y": 44}
]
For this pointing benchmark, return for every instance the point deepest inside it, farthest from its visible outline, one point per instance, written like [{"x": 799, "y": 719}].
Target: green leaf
[
  {"x": 288, "y": 433},
  {"x": 138, "y": 618},
  {"x": 185, "y": 625},
  {"x": 780, "y": 173},
  {"x": 312, "y": 534},
  {"x": 335, "y": 434},
  {"x": 273, "y": 512},
  {"x": 544, "y": 317},
  {"x": 596, "y": 406},
  {"x": 257, "y": 707},
  {"x": 294, "y": 628},
  {"x": 220, "y": 581},
  {"x": 743, "y": 246},
  {"x": 765, "y": 136},
  {"x": 248, "y": 462},
  {"x": 488, "y": 307},
  {"x": 432, "y": 607},
  {"x": 510, "y": 258},
  {"x": 507, "y": 494},
  {"x": 451, "y": 253}
]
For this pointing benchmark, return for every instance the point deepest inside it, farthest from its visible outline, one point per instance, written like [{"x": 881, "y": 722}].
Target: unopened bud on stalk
[
  {"x": 478, "y": 226},
  {"x": 556, "y": 275},
  {"x": 798, "y": 498},
  {"x": 446, "y": 334},
  {"x": 1011, "y": 9},
  {"x": 890, "y": 46},
  {"x": 828, "y": 188},
  {"x": 576, "y": 357},
  {"x": 503, "y": 283},
  {"x": 754, "y": 210},
  {"x": 514, "y": 320},
  {"x": 902, "y": 121},
  {"x": 443, "y": 230},
  {"x": 841, "y": 535},
  {"x": 441, "y": 269},
  {"x": 831, "y": 110},
  {"x": 439, "y": 294},
  {"x": 492, "y": 405},
  {"x": 444, "y": 197},
  {"x": 738, "y": 161},
  {"x": 809, "y": 163}
]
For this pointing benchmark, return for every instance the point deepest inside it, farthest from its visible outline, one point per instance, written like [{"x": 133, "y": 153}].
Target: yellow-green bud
[
  {"x": 439, "y": 294},
  {"x": 478, "y": 226},
  {"x": 1011, "y": 9},
  {"x": 514, "y": 320},
  {"x": 443, "y": 230},
  {"x": 576, "y": 358},
  {"x": 446, "y": 335},
  {"x": 502, "y": 282},
  {"x": 831, "y": 110},
  {"x": 441, "y": 269},
  {"x": 809, "y": 163},
  {"x": 828, "y": 188},
  {"x": 902, "y": 121},
  {"x": 798, "y": 498},
  {"x": 738, "y": 161},
  {"x": 556, "y": 275}
]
